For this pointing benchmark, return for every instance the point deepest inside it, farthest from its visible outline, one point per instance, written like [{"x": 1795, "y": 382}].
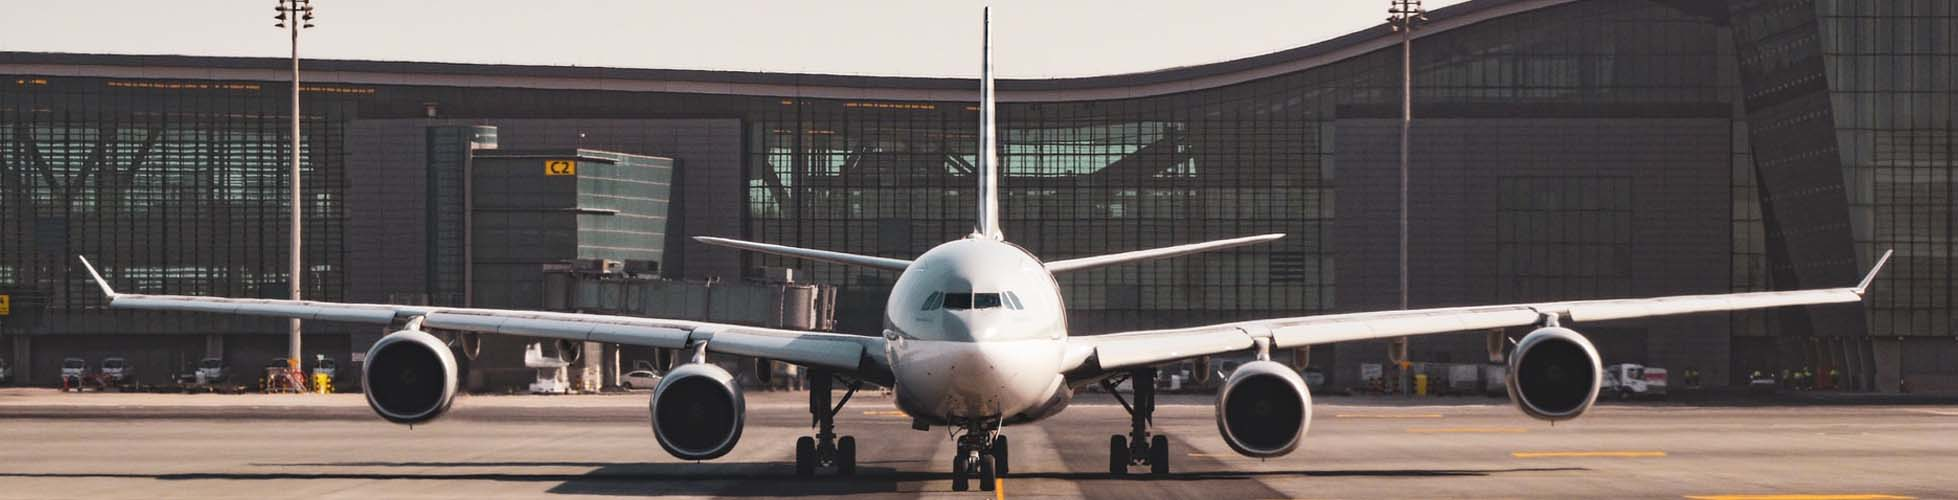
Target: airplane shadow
[{"x": 761, "y": 479}]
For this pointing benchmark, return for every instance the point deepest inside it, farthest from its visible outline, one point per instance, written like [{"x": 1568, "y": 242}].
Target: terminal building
[{"x": 1562, "y": 149}]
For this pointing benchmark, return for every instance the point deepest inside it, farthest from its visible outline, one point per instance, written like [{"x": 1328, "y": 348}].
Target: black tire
[
  {"x": 625, "y": 385},
  {"x": 1159, "y": 455},
  {"x": 805, "y": 456},
  {"x": 1000, "y": 455},
  {"x": 846, "y": 455},
  {"x": 988, "y": 476},
  {"x": 959, "y": 473},
  {"x": 1118, "y": 455}
]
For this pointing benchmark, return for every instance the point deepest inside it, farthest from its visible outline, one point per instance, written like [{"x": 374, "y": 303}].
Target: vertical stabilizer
[{"x": 988, "y": 170}]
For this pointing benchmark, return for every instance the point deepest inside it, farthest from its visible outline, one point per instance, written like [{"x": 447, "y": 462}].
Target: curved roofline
[{"x": 1089, "y": 88}]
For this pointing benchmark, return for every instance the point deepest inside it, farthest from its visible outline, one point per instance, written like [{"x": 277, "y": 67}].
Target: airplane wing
[
  {"x": 1060, "y": 266},
  {"x": 1092, "y": 356},
  {"x": 852, "y": 354},
  {"x": 885, "y": 263}
]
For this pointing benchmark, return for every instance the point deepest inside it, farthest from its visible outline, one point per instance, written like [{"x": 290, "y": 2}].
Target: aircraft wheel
[
  {"x": 959, "y": 473},
  {"x": 805, "y": 456},
  {"x": 1118, "y": 455},
  {"x": 846, "y": 455},
  {"x": 988, "y": 476},
  {"x": 1159, "y": 455},
  {"x": 1000, "y": 454}
]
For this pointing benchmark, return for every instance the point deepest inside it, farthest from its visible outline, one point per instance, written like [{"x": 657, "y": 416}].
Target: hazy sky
[{"x": 880, "y": 37}]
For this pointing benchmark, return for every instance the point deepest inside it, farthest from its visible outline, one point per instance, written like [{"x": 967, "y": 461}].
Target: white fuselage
[{"x": 977, "y": 332}]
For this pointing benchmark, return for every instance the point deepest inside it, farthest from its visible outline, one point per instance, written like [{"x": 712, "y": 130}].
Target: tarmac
[{"x": 92, "y": 445}]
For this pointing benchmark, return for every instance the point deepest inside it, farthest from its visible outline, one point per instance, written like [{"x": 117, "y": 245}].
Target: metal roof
[{"x": 1116, "y": 86}]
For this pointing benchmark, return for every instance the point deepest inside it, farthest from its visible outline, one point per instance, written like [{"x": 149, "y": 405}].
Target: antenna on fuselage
[{"x": 988, "y": 225}]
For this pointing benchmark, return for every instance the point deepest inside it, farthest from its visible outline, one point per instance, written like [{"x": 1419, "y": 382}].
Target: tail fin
[{"x": 988, "y": 160}]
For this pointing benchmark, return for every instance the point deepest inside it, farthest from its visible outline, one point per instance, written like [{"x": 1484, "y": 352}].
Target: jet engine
[
  {"x": 1554, "y": 374},
  {"x": 1263, "y": 409},
  {"x": 409, "y": 377},
  {"x": 698, "y": 411}
]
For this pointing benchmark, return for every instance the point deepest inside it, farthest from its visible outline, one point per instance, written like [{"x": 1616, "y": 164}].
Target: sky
[{"x": 1032, "y": 38}]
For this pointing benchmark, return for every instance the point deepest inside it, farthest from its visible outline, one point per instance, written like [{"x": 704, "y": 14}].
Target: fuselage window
[
  {"x": 1013, "y": 301},
  {"x": 958, "y": 301},
  {"x": 932, "y": 301},
  {"x": 985, "y": 300}
]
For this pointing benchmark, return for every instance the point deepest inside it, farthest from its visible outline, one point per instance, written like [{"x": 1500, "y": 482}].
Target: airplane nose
[
  {"x": 959, "y": 380},
  {"x": 963, "y": 327},
  {"x": 1001, "y": 378}
]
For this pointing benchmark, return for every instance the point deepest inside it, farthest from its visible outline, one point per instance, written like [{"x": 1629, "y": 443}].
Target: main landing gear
[
  {"x": 1137, "y": 448},
  {"x": 982, "y": 455},
  {"x": 825, "y": 449}
]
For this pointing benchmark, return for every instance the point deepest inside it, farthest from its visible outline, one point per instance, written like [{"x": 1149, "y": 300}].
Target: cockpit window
[
  {"x": 958, "y": 301},
  {"x": 962, "y": 301},
  {"x": 985, "y": 300}
]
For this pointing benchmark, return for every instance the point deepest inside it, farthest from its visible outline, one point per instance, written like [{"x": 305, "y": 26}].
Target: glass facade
[
  {"x": 1890, "y": 71},
  {"x": 1580, "y": 149},
  {"x": 175, "y": 187},
  {"x": 538, "y": 207}
]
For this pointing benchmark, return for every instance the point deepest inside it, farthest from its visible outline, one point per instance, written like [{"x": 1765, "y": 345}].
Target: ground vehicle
[
  {"x": 73, "y": 371},
  {"x": 116, "y": 370},
  {"x": 212, "y": 371},
  {"x": 280, "y": 377},
  {"x": 6, "y": 372},
  {"x": 1315, "y": 379},
  {"x": 1630, "y": 380},
  {"x": 639, "y": 379},
  {"x": 552, "y": 375},
  {"x": 325, "y": 365}
]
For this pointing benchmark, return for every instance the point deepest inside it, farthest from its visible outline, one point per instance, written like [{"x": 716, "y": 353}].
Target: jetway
[{"x": 776, "y": 305}]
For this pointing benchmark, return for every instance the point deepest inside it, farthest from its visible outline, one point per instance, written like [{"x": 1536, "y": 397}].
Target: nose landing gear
[
  {"x": 825, "y": 449},
  {"x": 1138, "y": 447},
  {"x": 982, "y": 455}
]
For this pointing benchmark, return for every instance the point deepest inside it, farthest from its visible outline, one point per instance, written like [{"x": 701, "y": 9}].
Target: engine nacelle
[
  {"x": 409, "y": 377},
  {"x": 698, "y": 411},
  {"x": 1263, "y": 409},
  {"x": 1554, "y": 374}
]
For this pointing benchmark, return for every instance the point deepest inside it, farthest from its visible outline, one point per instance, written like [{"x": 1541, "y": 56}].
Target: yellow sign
[
  {"x": 6, "y": 305},
  {"x": 560, "y": 167}
]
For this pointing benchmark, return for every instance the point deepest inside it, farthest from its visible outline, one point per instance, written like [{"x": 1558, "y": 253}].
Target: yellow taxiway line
[
  {"x": 1588, "y": 454},
  {"x": 1388, "y": 415},
  {"x": 1841, "y": 496}
]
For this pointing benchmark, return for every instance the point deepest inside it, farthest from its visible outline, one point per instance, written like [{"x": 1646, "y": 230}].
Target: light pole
[
  {"x": 1403, "y": 15},
  {"x": 295, "y": 15}
]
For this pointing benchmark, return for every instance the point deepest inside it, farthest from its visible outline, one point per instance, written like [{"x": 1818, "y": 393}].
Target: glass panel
[
  {"x": 985, "y": 300},
  {"x": 958, "y": 301}
]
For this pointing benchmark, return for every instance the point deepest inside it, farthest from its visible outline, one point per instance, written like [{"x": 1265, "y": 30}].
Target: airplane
[{"x": 975, "y": 340}]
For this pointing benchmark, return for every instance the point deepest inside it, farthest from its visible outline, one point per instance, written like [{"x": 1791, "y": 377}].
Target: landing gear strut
[
  {"x": 825, "y": 449},
  {"x": 1138, "y": 447},
  {"x": 982, "y": 455}
]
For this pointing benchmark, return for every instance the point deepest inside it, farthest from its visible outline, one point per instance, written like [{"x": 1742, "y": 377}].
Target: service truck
[{"x": 1631, "y": 380}]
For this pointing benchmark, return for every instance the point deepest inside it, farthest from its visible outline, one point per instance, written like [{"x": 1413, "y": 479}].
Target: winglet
[
  {"x": 111, "y": 292},
  {"x": 1871, "y": 277}
]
